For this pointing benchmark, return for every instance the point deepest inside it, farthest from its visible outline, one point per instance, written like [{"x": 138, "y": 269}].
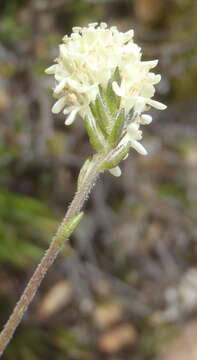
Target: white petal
[
  {"x": 146, "y": 119},
  {"x": 71, "y": 118},
  {"x": 117, "y": 89},
  {"x": 134, "y": 132},
  {"x": 73, "y": 83},
  {"x": 60, "y": 86},
  {"x": 140, "y": 104},
  {"x": 93, "y": 24},
  {"x": 138, "y": 147},
  {"x": 156, "y": 104},
  {"x": 150, "y": 64},
  {"x": 128, "y": 35},
  {"x": 124, "y": 140},
  {"x": 63, "y": 50},
  {"x": 76, "y": 29},
  {"x": 103, "y": 25},
  {"x": 51, "y": 70},
  {"x": 68, "y": 109},
  {"x": 59, "y": 105},
  {"x": 147, "y": 90},
  {"x": 76, "y": 85},
  {"x": 133, "y": 128},
  {"x": 115, "y": 171},
  {"x": 154, "y": 78},
  {"x": 131, "y": 49}
]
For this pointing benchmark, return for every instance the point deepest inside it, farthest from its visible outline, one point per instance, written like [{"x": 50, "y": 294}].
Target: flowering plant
[{"x": 99, "y": 75}]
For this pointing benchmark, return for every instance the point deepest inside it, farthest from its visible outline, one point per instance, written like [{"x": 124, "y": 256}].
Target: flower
[
  {"x": 88, "y": 58},
  {"x": 87, "y": 62}
]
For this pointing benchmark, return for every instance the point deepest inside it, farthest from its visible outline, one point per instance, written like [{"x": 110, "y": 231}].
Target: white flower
[{"x": 88, "y": 58}]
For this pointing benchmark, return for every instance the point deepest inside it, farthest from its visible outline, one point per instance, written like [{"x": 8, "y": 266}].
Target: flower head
[{"x": 99, "y": 75}]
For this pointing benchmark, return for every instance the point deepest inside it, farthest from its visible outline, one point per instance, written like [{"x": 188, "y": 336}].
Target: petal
[
  {"x": 147, "y": 90},
  {"x": 134, "y": 134},
  {"x": 117, "y": 89},
  {"x": 69, "y": 109},
  {"x": 73, "y": 83},
  {"x": 146, "y": 119},
  {"x": 63, "y": 51},
  {"x": 156, "y": 104},
  {"x": 115, "y": 171},
  {"x": 140, "y": 105},
  {"x": 59, "y": 105},
  {"x": 138, "y": 147},
  {"x": 150, "y": 64},
  {"x": 51, "y": 70},
  {"x": 71, "y": 118},
  {"x": 93, "y": 24},
  {"x": 133, "y": 128},
  {"x": 125, "y": 140},
  {"x": 60, "y": 86},
  {"x": 128, "y": 35},
  {"x": 76, "y": 29},
  {"x": 154, "y": 78},
  {"x": 103, "y": 25}
]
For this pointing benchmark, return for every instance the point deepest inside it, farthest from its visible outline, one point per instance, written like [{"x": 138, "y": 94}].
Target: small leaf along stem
[{"x": 69, "y": 223}]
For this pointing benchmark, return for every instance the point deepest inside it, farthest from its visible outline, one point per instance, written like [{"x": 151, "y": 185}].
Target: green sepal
[
  {"x": 117, "y": 156},
  {"x": 117, "y": 128},
  {"x": 101, "y": 114},
  {"x": 96, "y": 137},
  {"x": 113, "y": 100},
  {"x": 116, "y": 76},
  {"x": 66, "y": 230}
]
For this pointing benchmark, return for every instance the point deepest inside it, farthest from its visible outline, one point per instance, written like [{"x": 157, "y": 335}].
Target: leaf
[
  {"x": 66, "y": 230},
  {"x": 23, "y": 221}
]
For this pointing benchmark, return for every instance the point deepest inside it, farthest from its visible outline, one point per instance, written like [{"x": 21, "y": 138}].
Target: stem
[{"x": 51, "y": 254}]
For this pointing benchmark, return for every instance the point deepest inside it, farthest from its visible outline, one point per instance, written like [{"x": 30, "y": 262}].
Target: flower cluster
[{"x": 99, "y": 70}]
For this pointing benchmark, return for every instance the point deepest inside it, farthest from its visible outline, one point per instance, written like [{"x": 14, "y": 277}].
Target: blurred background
[{"x": 126, "y": 285}]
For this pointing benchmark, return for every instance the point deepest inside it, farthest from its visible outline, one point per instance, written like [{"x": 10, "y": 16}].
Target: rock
[
  {"x": 117, "y": 338},
  {"x": 57, "y": 297},
  {"x": 184, "y": 347},
  {"x": 107, "y": 315}
]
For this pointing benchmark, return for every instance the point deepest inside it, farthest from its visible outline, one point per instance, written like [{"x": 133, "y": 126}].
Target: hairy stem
[{"x": 52, "y": 252}]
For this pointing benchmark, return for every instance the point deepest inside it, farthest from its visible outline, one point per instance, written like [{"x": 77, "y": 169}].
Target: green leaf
[
  {"x": 117, "y": 128},
  {"x": 66, "y": 230},
  {"x": 26, "y": 225}
]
